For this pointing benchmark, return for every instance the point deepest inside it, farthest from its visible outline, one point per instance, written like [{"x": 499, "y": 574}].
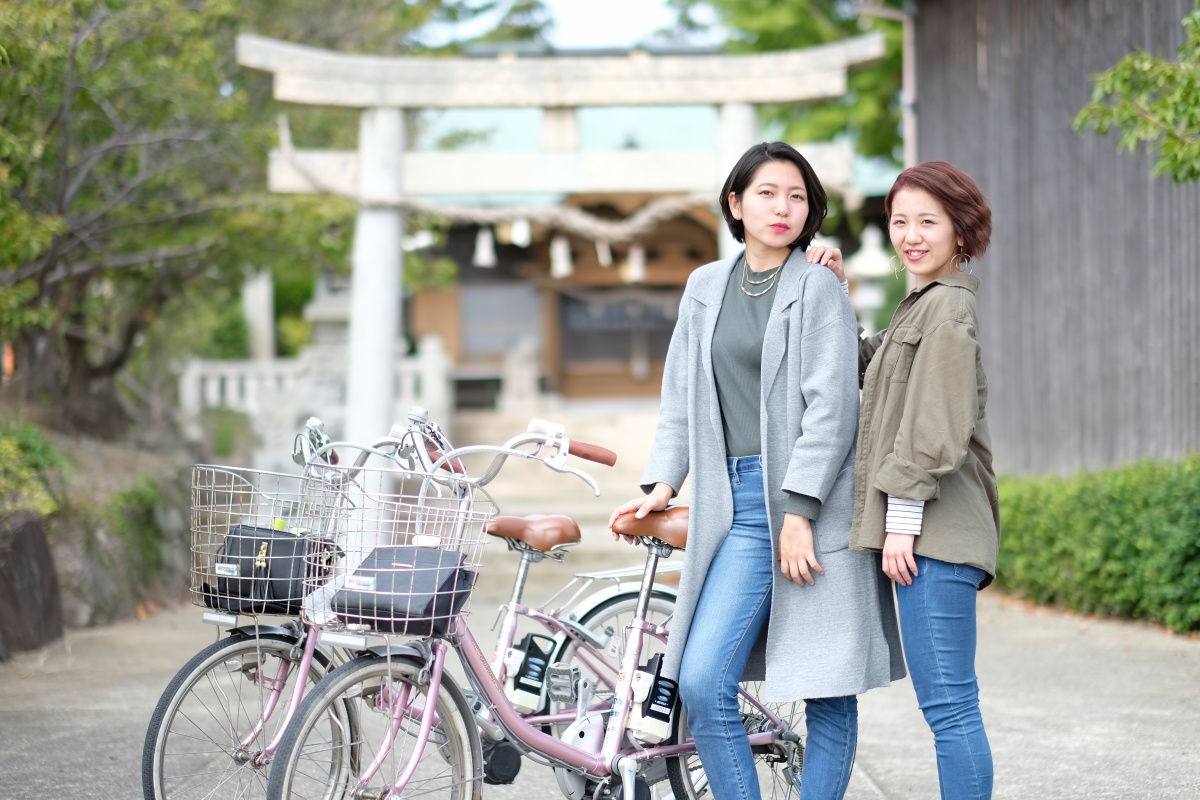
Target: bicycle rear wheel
[
  {"x": 778, "y": 766},
  {"x": 369, "y": 761},
  {"x": 196, "y": 741}
]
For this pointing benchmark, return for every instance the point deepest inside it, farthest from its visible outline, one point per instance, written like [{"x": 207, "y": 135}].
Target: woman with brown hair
[{"x": 924, "y": 489}]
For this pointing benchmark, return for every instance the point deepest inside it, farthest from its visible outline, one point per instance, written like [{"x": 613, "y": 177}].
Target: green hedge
[{"x": 1122, "y": 542}]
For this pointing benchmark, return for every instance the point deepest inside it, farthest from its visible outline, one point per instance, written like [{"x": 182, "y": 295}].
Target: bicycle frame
[
  {"x": 598, "y": 764},
  {"x": 588, "y": 649}
]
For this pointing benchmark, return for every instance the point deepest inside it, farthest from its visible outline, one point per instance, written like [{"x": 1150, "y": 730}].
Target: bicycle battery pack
[
  {"x": 405, "y": 589},
  {"x": 525, "y": 667},
  {"x": 653, "y": 703}
]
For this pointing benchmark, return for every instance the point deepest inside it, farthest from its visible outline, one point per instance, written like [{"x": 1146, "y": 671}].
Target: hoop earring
[
  {"x": 895, "y": 265},
  {"x": 961, "y": 258}
]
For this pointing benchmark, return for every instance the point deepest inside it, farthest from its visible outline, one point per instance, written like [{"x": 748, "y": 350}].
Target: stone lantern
[{"x": 866, "y": 270}]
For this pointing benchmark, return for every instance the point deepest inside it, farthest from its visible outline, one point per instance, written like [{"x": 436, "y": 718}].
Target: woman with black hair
[{"x": 759, "y": 409}]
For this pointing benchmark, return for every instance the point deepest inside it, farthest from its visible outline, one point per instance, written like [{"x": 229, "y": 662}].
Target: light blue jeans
[
  {"x": 734, "y": 605},
  {"x": 937, "y": 626}
]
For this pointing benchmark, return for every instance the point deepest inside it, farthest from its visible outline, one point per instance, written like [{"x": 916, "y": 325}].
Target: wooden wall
[{"x": 1090, "y": 304}]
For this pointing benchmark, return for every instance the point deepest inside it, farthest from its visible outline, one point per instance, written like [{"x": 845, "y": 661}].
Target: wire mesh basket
[
  {"x": 392, "y": 551},
  {"x": 402, "y": 548},
  {"x": 248, "y": 540}
]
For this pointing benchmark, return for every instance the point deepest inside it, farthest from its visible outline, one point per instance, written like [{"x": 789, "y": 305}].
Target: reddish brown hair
[{"x": 965, "y": 205}]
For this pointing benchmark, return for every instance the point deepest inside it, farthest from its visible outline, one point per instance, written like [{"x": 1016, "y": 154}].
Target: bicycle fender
[
  {"x": 397, "y": 651},
  {"x": 247, "y": 631},
  {"x": 596, "y": 599}
]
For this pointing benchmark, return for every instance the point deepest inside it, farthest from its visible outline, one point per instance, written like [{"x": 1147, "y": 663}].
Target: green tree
[
  {"x": 1154, "y": 101},
  {"x": 870, "y": 110},
  {"x": 133, "y": 151}
]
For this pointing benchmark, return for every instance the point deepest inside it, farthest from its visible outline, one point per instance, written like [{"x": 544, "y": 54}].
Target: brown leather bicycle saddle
[
  {"x": 542, "y": 532},
  {"x": 669, "y": 526}
]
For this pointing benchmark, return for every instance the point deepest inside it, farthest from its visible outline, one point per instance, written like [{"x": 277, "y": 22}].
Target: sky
[
  {"x": 586, "y": 23},
  {"x": 606, "y": 23}
]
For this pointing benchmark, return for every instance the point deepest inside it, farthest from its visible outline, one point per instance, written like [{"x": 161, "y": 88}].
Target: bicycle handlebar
[
  {"x": 432, "y": 458},
  {"x": 592, "y": 452}
]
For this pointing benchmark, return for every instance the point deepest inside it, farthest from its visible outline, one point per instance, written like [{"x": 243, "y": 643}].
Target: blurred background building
[{"x": 1090, "y": 304}]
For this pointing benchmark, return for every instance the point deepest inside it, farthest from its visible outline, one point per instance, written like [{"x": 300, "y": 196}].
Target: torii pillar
[
  {"x": 382, "y": 173},
  {"x": 377, "y": 266}
]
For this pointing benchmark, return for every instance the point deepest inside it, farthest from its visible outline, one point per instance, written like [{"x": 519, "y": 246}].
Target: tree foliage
[
  {"x": 869, "y": 112},
  {"x": 133, "y": 152},
  {"x": 1154, "y": 101}
]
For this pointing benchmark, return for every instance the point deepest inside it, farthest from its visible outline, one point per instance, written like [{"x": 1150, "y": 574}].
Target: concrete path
[{"x": 1075, "y": 707}]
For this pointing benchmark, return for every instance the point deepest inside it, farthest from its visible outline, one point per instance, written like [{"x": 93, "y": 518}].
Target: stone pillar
[
  {"x": 560, "y": 130},
  {"x": 376, "y": 280},
  {"x": 737, "y": 129},
  {"x": 258, "y": 306}
]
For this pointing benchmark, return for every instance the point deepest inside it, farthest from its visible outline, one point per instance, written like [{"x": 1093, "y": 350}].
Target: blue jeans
[
  {"x": 734, "y": 605},
  {"x": 937, "y": 626}
]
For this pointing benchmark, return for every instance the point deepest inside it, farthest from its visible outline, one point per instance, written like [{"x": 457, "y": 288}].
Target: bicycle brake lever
[{"x": 556, "y": 465}]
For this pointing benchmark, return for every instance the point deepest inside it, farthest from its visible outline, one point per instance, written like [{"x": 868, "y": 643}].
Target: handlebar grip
[
  {"x": 592, "y": 452},
  {"x": 453, "y": 465}
]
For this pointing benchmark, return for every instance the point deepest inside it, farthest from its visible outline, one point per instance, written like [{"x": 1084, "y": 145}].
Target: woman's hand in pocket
[{"x": 797, "y": 555}]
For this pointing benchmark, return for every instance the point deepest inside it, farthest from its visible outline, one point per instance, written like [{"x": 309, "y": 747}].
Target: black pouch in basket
[
  {"x": 259, "y": 571},
  {"x": 406, "y": 589}
]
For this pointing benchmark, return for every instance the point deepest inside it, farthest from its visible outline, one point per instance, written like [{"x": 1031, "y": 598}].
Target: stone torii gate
[{"x": 382, "y": 172}]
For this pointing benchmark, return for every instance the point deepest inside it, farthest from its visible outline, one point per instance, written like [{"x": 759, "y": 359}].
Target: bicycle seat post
[
  {"x": 528, "y": 557},
  {"x": 654, "y": 551}
]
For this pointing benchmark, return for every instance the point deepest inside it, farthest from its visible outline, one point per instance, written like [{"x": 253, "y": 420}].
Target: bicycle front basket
[
  {"x": 406, "y": 548},
  {"x": 248, "y": 540}
]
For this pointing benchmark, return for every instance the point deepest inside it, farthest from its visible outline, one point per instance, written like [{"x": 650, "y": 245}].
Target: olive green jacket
[{"x": 923, "y": 432}]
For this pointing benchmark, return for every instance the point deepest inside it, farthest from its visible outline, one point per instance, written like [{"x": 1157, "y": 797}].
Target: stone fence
[{"x": 279, "y": 394}]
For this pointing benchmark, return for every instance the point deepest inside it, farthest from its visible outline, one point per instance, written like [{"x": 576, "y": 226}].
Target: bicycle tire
[
  {"x": 307, "y": 766},
  {"x": 208, "y": 707},
  {"x": 775, "y": 765}
]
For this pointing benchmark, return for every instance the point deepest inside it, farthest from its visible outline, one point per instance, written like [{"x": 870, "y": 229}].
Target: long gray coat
[{"x": 840, "y": 636}]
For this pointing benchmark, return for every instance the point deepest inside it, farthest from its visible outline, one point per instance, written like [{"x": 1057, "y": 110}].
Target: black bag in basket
[
  {"x": 259, "y": 571},
  {"x": 406, "y": 589}
]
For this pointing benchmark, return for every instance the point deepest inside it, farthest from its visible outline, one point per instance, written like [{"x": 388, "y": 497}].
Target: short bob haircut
[
  {"x": 958, "y": 194},
  {"x": 743, "y": 173}
]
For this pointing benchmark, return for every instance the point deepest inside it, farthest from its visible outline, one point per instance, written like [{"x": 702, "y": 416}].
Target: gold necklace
[{"x": 769, "y": 280}]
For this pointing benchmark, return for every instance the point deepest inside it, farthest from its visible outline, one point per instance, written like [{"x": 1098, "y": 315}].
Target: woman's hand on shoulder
[
  {"x": 657, "y": 500},
  {"x": 898, "y": 561},
  {"x": 826, "y": 256},
  {"x": 797, "y": 555}
]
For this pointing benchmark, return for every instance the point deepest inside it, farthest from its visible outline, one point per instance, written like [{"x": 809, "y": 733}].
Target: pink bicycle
[
  {"x": 220, "y": 719},
  {"x": 393, "y": 722}
]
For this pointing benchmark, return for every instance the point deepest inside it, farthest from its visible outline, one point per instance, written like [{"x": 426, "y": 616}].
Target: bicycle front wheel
[
  {"x": 386, "y": 697},
  {"x": 201, "y": 741},
  {"x": 778, "y": 765}
]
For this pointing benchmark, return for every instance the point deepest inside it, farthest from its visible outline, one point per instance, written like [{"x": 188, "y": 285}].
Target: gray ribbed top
[{"x": 737, "y": 367}]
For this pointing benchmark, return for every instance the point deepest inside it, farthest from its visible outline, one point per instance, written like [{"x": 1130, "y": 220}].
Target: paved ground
[{"x": 1075, "y": 708}]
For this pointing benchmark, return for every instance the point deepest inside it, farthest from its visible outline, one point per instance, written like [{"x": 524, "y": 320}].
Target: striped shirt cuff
[
  {"x": 846, "y": 287},
  {"x": 904, "y": 516}
]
